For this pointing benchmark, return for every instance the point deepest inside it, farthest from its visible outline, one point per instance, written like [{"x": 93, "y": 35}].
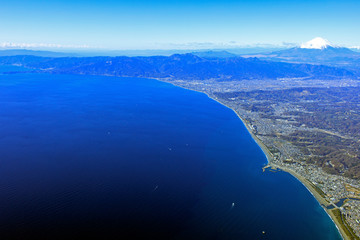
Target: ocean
[{"x": 126, "y": 158}]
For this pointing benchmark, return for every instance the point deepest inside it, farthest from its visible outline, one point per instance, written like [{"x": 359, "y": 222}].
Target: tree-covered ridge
[{"x": 179, "y": 66}]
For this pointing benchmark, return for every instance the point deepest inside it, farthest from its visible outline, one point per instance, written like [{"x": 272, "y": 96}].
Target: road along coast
[{"x": 311, "y": 188}]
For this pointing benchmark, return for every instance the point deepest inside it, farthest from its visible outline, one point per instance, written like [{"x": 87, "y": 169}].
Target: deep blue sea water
[{"x": 125, "y": 158}]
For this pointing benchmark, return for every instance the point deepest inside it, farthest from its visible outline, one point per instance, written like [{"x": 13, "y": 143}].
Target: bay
[{"x": 124, "y": 158}]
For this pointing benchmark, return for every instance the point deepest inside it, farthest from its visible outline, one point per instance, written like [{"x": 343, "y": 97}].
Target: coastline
[{"x": 322, "y": 202}]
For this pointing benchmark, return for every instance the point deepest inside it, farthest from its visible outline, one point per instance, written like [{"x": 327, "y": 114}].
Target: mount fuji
[
  {"x": 317, "y": 51},
  {"x": 317, "y": 43}
]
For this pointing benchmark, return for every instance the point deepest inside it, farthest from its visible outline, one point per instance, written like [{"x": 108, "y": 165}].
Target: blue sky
[{"x": 140, "y": 24}]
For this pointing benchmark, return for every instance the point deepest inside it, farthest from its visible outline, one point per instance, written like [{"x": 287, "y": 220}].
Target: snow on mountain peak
[{"x": 317, "y": 43}]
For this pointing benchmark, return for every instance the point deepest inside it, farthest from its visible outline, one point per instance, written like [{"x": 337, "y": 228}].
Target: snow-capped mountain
[
  {"x": 317, "y": 51},
  {"x": 317, "y": 43}
]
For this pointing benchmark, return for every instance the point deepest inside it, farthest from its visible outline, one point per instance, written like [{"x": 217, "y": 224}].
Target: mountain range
[
  {"x": 317, "y": 59},
  {"x": 178, "y": 66}
]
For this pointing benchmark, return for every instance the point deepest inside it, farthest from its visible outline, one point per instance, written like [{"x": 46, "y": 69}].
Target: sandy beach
[{"x": 322, "y": 201}]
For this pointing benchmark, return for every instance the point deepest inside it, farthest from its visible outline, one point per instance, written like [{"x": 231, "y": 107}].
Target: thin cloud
[
  {"x": 224, "y": 45},
  {"x": 41, "y": 45}
]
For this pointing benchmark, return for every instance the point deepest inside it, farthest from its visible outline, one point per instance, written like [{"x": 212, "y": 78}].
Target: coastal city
[{"x": 273, "y": 121}]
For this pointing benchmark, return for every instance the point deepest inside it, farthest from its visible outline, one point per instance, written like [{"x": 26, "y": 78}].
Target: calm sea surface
[{"x": 126, "y": 158}]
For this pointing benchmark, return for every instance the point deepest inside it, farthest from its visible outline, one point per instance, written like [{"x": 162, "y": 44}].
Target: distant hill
[
  {"x": 329, "y": 55},
  {"x": 178, "y": 66},
  {"x": 214, "y": 54},
  {"x": 16, "y": 52}
]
